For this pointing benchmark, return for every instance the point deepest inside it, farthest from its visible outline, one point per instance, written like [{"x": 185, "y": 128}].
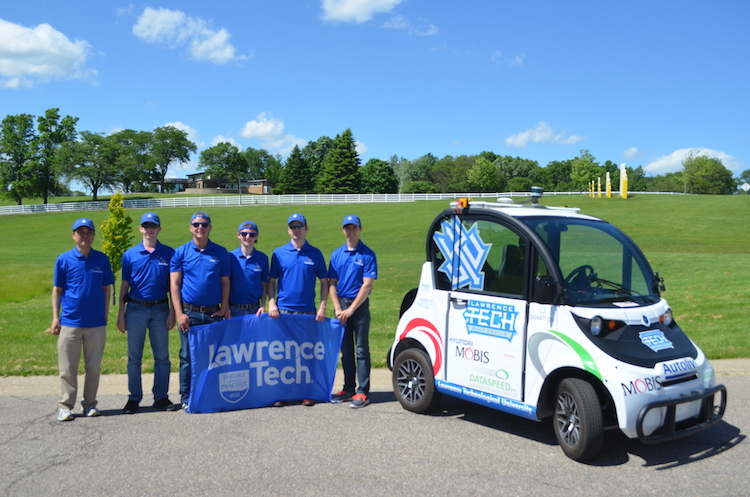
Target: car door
[{"x": 484, "y": 264}]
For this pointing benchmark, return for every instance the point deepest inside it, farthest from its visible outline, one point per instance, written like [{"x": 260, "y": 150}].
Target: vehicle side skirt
[{"x": 487, "y": 399}]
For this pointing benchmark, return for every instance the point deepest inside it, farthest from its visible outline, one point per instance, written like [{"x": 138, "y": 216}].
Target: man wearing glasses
[
  {"x": 144, "y": 287},
  {"x": 249, "y": 273},
  {"x": 199, "y": 279},
  {"x": 294, "y": 269},
  {"x": 82, "y": 287}
]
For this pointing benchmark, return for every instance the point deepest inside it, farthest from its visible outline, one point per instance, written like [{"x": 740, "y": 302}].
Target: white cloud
[
  {"x": 400, "y": 22},
  {"x": 673, "y": 162},
  {"x": 224, "y": 139},
  {"x": 358, "y": 11},
  {"x": 37, "y": 55},
  {"x": 543, "y": 133},
  {"x": 270, "y": 130},
  {"x": 630, "y": 153},
  {"x": 361, "y": 148},
  {"x": 191, "y": 132},
  {"x": 499, "y": 58},
  {"x": 174, "y": 29}
]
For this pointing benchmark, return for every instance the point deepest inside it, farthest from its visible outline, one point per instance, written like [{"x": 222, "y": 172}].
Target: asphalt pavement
[{"x": 330, "y": 449}]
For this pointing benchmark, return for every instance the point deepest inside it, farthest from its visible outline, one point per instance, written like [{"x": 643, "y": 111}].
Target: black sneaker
[
  {"x": 131, "y": 407},
  {"x": 162, "y": 404},
  {"x": 342, "y": 396}
]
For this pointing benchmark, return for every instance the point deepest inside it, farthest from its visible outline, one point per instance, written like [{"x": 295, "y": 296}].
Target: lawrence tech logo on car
[{"x": 490, "y": 318}]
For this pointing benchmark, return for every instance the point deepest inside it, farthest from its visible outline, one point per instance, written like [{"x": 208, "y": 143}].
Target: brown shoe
[
  {"x": 308, "y": 402},
  {"x": 280, "y": 403}
]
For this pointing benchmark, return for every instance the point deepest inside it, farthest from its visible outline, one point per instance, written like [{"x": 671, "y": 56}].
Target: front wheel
[
  {"x": 414, "y": 382},
  {"x": 579, "y": 427}
]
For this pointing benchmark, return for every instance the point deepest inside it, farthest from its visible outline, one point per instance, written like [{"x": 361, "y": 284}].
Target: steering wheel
[{"x": 579, "y": 277}]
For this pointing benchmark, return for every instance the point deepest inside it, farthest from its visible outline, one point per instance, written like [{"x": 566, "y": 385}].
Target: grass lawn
[{"x": 697, "y": 243}]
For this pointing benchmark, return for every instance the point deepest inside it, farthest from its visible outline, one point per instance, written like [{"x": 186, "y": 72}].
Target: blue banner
[{"x": 252, "y": 361}]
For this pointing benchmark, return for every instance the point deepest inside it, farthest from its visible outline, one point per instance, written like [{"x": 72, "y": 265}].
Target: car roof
[{"x": 507, "y": 207}]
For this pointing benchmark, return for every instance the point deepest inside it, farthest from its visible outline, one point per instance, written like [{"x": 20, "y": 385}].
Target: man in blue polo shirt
[
  {"x": 249, "y": 273},
  {"x": 144, "y": 287},
  {"x": 352, "y": 271},
  {"x": 294, "y": 269},
  {"x": 199, "y": 279},
  {"x": 82, "y": 287}
]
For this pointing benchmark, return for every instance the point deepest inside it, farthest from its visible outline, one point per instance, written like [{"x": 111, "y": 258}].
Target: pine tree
[
  {"x": 340, "y": 170},
  {"x": 116, "y": 235},
  {"x": 295, "y": 177}
]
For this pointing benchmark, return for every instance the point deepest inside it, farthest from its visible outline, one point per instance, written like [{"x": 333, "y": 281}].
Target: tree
[
  {"x": 135, "y": 164},
  {"x": 274, "y": 169},
  {"x": 584, "y": 170},
  {"x": 53, "y": 132},
  {"x": 295, "y": 177},
  {"x": 168, "y": 145},
  {"x": 94, "y": 161},
  {"x": 378, "y": 177},
  {"x": 16, "y": 156},
  {"x": 483, "y": 176},
  {"x": 420, "y": 187},
  {"x": 259, "y": 161},
  {"x": 558, "y": 176},
  {"x": 516, "y": 167},
  {"x": 116, "y": 232},
  {"x": 224, "y": 160},
  {"x": 340, "y": 169},
  {"x": 707, "y": 175},
  {"x": 314, "y": 152}
]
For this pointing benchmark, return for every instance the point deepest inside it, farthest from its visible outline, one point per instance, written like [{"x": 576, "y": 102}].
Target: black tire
[
  {"x": 414, "y": 382},
  {"x": 578, "y": 423}
]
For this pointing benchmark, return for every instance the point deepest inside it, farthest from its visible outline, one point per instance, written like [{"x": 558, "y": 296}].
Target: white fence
[{"x": 237, "y": 200}]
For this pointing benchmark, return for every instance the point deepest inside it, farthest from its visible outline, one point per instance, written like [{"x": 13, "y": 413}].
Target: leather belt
[
  {"x": 205, "y": 309},
  {"x": 253, "y": 305},
  {"x": 147, "y": 303}
]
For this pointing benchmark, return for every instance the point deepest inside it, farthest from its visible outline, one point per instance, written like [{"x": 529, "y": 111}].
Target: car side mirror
[{"x": 544, "y": 289}]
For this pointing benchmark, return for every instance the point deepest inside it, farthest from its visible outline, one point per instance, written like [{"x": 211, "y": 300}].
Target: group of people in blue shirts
[{"x": 198, "y": 283}]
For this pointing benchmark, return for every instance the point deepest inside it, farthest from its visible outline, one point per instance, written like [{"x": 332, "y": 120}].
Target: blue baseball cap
[
  {"x": 150, "y": 217},
  {"x": 84, "y": 221},
  {"x": 248, "y": 225},
  {"x": 296, "y": 217},
  {"x": 351, "y": 219},
  {"x": 201, "y": 214}
]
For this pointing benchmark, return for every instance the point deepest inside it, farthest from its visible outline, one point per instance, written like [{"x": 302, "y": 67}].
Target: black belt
[
  {"x": 147, "y": 303},
  {"x": 205, "y": 309},
  {"x": 245, "y": 306}
]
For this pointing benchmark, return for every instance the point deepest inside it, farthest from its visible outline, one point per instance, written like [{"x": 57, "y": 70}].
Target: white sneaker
[
  {"x": 91, "y": 412},
  {"x": 64, "y": 414}
]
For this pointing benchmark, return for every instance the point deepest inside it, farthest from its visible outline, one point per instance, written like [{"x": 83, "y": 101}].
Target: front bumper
[{"x": 709, "y": 415}]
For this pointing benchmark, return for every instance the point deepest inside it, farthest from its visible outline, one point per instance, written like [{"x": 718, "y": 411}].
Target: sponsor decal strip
[{"x": 495, "y": 401}]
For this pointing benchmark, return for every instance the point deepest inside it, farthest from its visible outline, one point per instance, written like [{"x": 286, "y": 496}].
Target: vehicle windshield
[{"x": 598, "y": 262}]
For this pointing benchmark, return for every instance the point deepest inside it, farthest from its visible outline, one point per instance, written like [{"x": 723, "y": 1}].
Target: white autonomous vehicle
[{"x": 542, "y": 311}]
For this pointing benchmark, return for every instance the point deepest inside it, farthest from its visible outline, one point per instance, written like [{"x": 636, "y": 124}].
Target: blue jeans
[
  {"x": 236, "y": 311},
  {"x": 138, "y": 318},
  {"x": 196, "y": 319},
  {"x": 357, "y": 332}
]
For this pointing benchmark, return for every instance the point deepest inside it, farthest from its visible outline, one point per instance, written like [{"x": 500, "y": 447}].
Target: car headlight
[
  {"x": 596, "y": 326},
  {"x": 667, "y": 318}
]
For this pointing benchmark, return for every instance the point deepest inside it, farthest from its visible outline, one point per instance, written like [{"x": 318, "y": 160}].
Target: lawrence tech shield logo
[
  {"x": 490, "y": 318},
  {"x": 470, "y": 255},
  {"x": 234, "y": 385}
]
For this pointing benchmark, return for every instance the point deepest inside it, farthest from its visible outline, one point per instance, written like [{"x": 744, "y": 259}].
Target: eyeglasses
[
  {"x": 200, "y": 225},
  {"x": 150, "y": 226},
  {"x": 296, "y": 226},
  {"x": 243, "y": 234},
  {"x": 87, "y": 232}
]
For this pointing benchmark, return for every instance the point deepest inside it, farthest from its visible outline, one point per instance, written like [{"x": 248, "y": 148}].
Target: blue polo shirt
[
  {"x": 350, "y": 266},
  {"x": 147, "y": 273},
  {"x": 83, "y": 280},
  {"x": 202, "y": 271},
  {"x": 248, "y": 276},
  {"x": 296, "y": 272}
]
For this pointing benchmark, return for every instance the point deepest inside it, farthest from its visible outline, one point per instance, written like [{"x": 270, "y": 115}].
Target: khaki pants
[{"x": 70, "y": 342}]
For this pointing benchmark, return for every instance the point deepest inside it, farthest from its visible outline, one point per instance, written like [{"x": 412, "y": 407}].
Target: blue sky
[{"x": 640, "y": 82}]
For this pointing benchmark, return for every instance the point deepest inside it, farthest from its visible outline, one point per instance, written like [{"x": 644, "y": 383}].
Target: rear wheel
[
  {"x": 579, "y": 427},
  {"x": 414, "y": 382}
]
